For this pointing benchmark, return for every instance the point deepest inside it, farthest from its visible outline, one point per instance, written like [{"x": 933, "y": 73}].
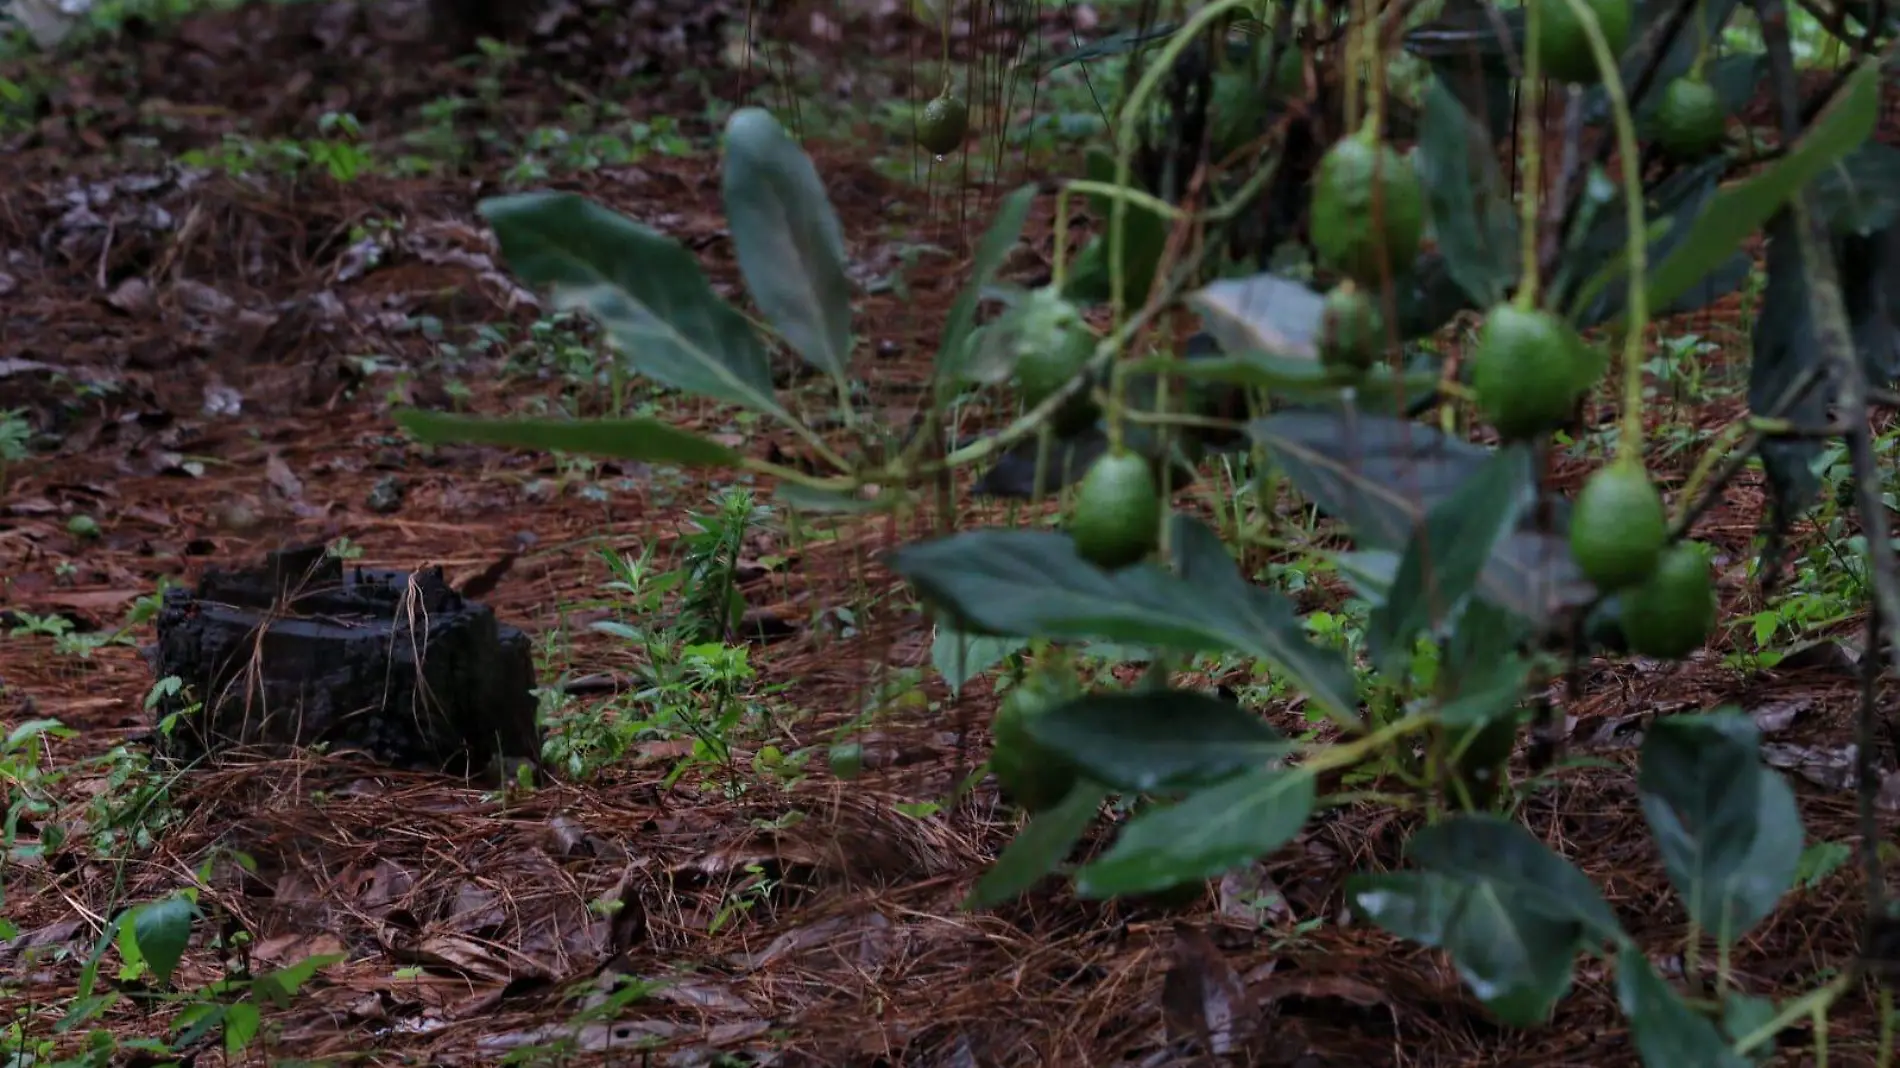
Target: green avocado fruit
[
  {"x": 1029, "y": 773},
  {"x": 1116, "y": 520},
  {"x": 1367, "y": 203},
  {"x": 1618, "y": 529},
  {"x": 1672, "y": 613},
  {"x": 1563, "y": 47},
  {"x": 1528, "y": 372},
  {"x": 1689, "y": 122},
  {"x": 1053, "y": 345},
  {"x": 943, "y": 124}
]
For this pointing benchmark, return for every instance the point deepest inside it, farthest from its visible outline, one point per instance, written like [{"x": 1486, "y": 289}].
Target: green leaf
[
  {"x": 1041, "y": 845},
  {"x": 282, "y": 985},
  {"x": 990, "y": 253},
  {"x": 1488, "y": 694},
  {"x": 1861, "y": 194},
  {"x": 1786, "y": 363},
  {"x": 1742, "y": 209},
  {"x": 1033, "y": 584},
  {"x": 1667, "y": 1033},
  {"x": 1515, "y": 960},
  {"x": 1472, "y": 217},
  {"x": 646, "y": 290},
  {"x": 1727, "y": 827},
  {"x": 1116, "y": 44},
  {"x": 1447, "y": 553},
  {"x": 649, "y": 440},
  {"x": 1380, "y": 476},
  {"x": 162, "y": 930},
  {"x": 1263, "y": 313},
  {"x": 1211, "y": 832},
  {"x": 1483, "y": 847},
  {"x": 814, "y": 501},
  {"x": 960, "y": 657},
  {"x": 1144, "y": 240},
  {"x": 1670, "y": 212},
  {"x": 1157, "y": 739},
  {"x": 241, "y": 1020},
  {"x": 789, "y": 243}
]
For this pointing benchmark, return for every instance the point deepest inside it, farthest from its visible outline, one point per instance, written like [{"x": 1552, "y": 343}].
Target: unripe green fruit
[
  {"x": 1030, "y": 774},
  {"x": 1672, "y": 613},
  {"x": 1368, "y": 205},
  {"x": 1351, "y": 329},
  {"x": 1528, "y": 371},
  {"x": 943, "y": 124},
  {"x": 1563, "y": 47},
  {"x": 1053, "y": 345},
  {"x": 1618, "y": 529},
  {"x": 1690, "y": 122},
  {"x": 1116, "y": 520}
]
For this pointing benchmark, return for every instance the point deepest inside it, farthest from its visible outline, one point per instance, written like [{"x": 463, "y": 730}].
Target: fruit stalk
[
  {"x": 1629, "y": 445},
  {"x": 1533, "y": 157}
]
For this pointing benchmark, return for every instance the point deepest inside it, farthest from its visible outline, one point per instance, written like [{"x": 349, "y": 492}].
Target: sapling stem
[
  {"x": 1629, "y": 444},
  {"x": 1533, "y": 102}
]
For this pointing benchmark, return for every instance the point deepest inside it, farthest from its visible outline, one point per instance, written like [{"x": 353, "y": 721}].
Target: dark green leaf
[
  {"x": 1011, "y": 213},
  {"x": 1515, "y": 960},
  {"x": 1448, "y": 551},
  {"x": 1482, "y": 847},
  {"x": 1743, "y": 1015},
  {"x": 284, "y": 984},
  {"x": 1741, "y": 209},
  {"x": 1869, "y": 271},
  {"x": 1041, "y": 845},
  {"x": 649, "y": 440},
  {"x": 789, "y": 243},
  {"x": 1370, "y": 572},
  {"x": 162, "y": 929},
  {"x": 1473, "y": 218},
  {"x": 1263, "y": 314},
  {"x": 1667, "y": 1033},
  {"x": 1209, "y": 833},
  {"x": 1727, "y": 827},
  {"x": 1158, "y": 739},
  {"x": 1144, "y": 240},
  {"x": 1068, "y": 459},
  {"x": 1379, "y": 476},
  {"x": 1488, "y": 694},
  {"x": 1787, "y": 364},
  {"x": 1670, "y": 211},
  {"x": 1033, "y": 584},
  {"x": 1116, "y": 44},
  {"x": 1860, "y": 194},
  {"x": 646, "y": 290}
]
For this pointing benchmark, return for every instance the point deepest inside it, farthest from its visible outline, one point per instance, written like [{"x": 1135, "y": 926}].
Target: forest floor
[{"x": 234, "y": 243}]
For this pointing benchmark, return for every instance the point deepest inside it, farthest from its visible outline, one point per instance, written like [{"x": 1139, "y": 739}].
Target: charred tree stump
[{"x": 302, "y": 652}]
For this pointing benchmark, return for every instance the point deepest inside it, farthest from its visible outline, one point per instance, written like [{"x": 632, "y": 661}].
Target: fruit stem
[
  {"x": 1059, "y": 271},
  {"x": 1629, "y": 444},
  {"x": 1533, "y": 101}
]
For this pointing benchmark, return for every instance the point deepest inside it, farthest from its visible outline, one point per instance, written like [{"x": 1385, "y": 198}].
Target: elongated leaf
[
  {"x": 1667, "y": 1032},
  {"x": 1484, "y": 848},
  {"x": 646, "y": 290},
  {"x": 1744, "y": 207},
  {"x": 1116, "y": 44},
  {"x": 162, "y": 930},
  {"x": 1861, "y": 194},
  {"x": 1380, "y": 476},
  {"x": 1004, "y": 230},
  {"x": 1263, "y": 313},
  {"x": 1516, "y": 960},
  {"x": 790, "y": 246},
  {"x": 1447, "y": 553},
  {"x": 1032, "y": 583},
  {"x": 1212, "y": 832},
  {"x": 623, "y": 439},
  {"x": 1039, "y": 847},
  {"x": 1471, "y": 214},
  {"x": 1728, "y": 829},
  {"x": 1670, "y": 212},
  {"x": 1158, "y": 739},
  {"x": 1144, "y": 240},
  {"x": 1787, "y": 365}
]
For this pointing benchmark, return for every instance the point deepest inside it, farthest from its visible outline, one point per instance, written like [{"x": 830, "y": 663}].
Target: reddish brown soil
[{"x": 464, "y": 918}]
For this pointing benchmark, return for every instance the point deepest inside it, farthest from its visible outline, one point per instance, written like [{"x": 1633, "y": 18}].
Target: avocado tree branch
[{"x": 1833, "y": 341}]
